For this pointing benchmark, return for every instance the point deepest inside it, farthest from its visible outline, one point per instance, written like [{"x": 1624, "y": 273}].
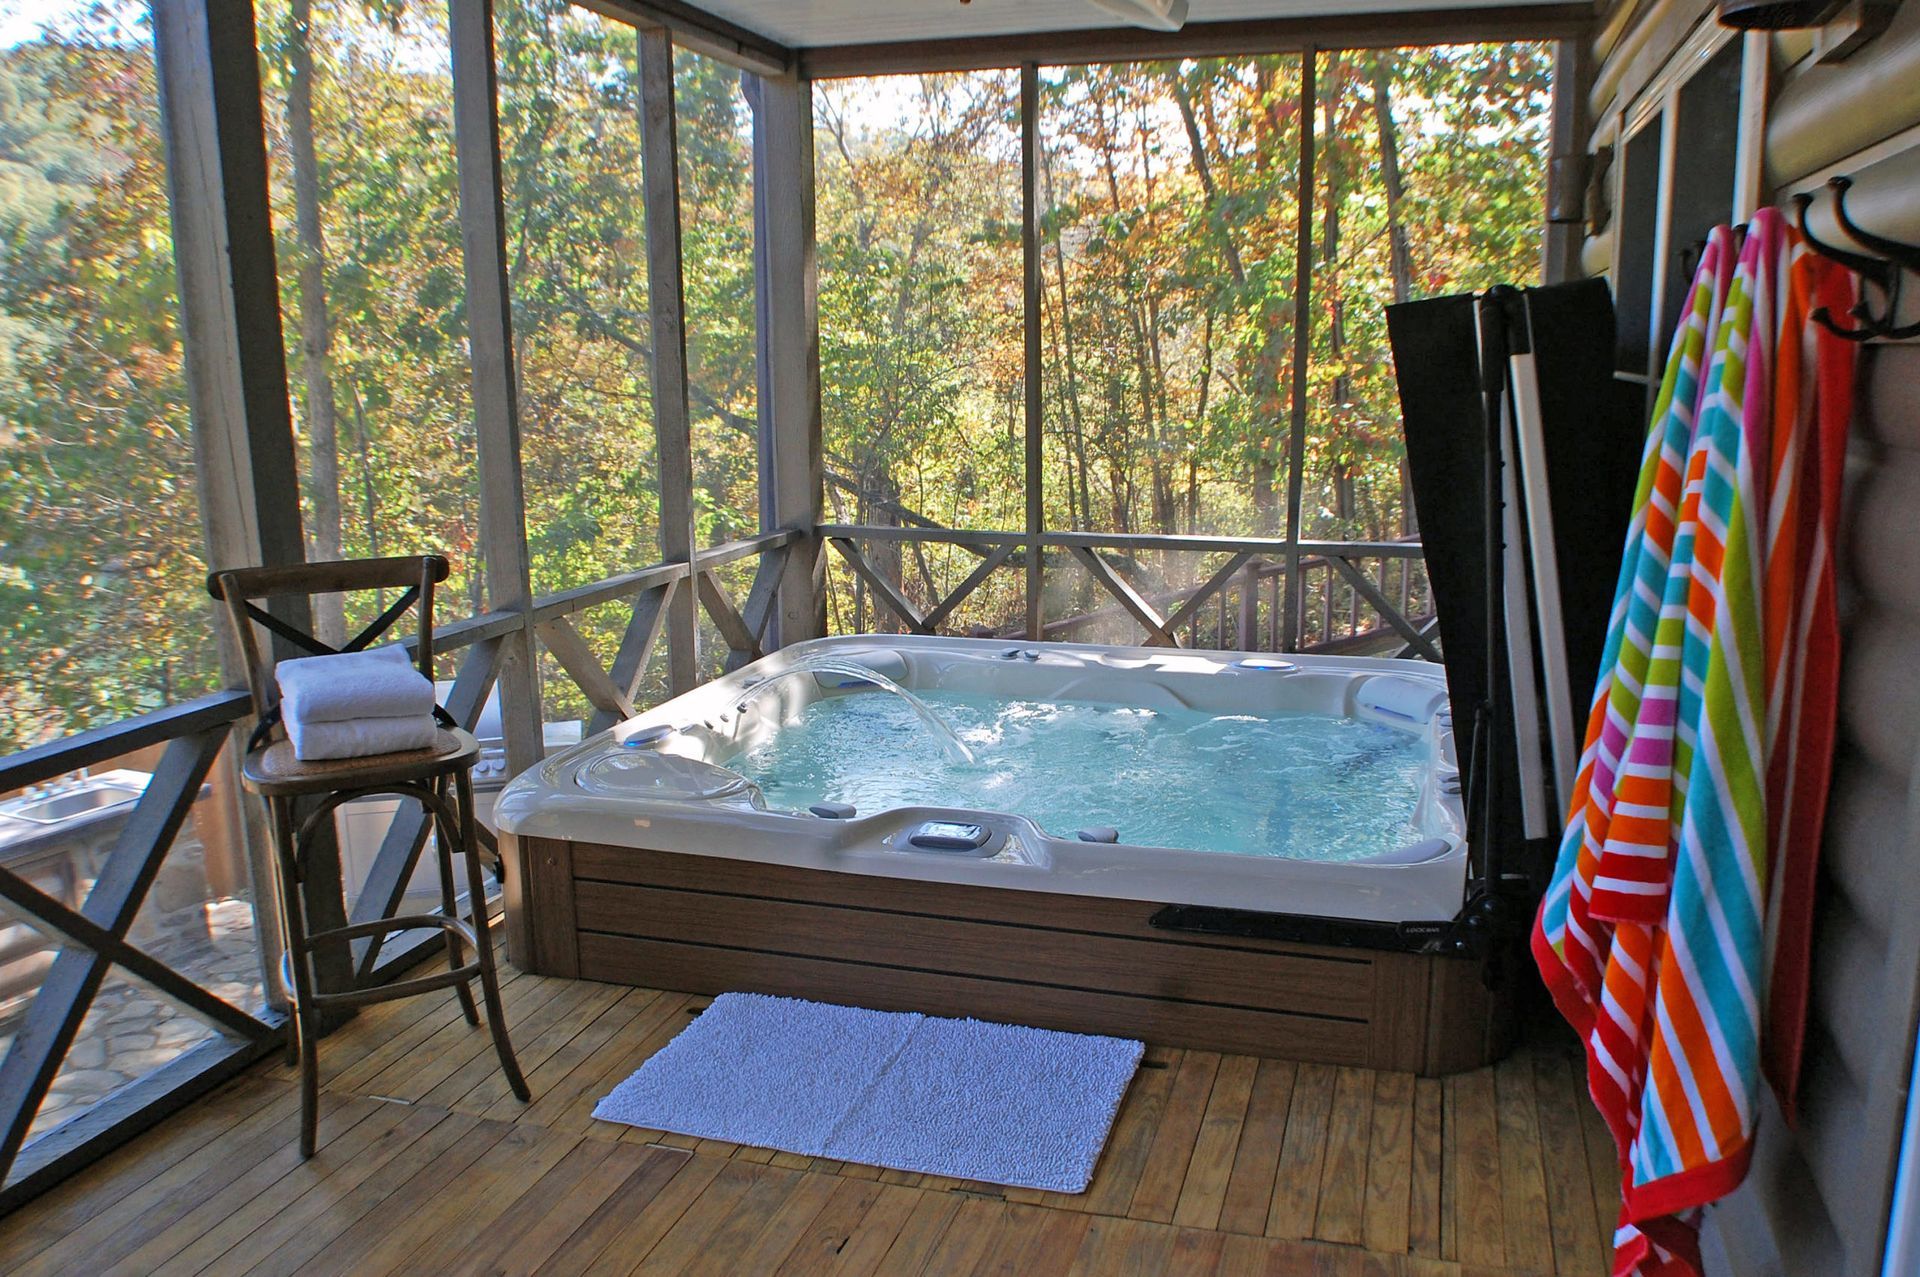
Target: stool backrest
[{"x": 414, "y": 575}]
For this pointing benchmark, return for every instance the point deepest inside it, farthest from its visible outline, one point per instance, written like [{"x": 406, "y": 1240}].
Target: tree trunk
[{"x": 316, "y": 334}]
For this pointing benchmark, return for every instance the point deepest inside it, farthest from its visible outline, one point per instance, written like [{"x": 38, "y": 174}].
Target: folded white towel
[
  {"x": 381, "y": 683},
  {"x": 359, "y": 737}
]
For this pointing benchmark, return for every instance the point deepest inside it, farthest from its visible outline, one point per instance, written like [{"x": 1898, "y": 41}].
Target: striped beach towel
[{"x": 1653, "y": 933}]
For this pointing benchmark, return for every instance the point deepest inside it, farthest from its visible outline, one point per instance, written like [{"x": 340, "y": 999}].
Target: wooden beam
[
  {"x": 1031, "y": 369},
  {"x": 584, "y": 668},
  {"x": 1367, "y": 590},
  {"x": 582, "y": 597},
  {"x": 96, "y": 745},
  {"x": 1159, "y": 634},
  {"x": 83, "y": 931},
  {"x": 982, "y": 570},
  {"x": 666, "y": 300},
  {"x": 503, "y": 507},
  {"x": 758, "y": 610},
  {"x": 742, "y": 644},
  {"x": 1206, "y": 591},
  {"x": 53, "y": 1018},
  {"x": 787, "y": 333},
  {"x": 880, "y": 585},
  {"x": 695, "y": 28},
  {"x": 1291, "y": 619},
  {"x": 636, "y": 648},
  {"x": 1242, "y": 38}
]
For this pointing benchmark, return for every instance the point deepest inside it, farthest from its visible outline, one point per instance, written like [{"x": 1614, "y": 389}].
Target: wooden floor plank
[
  {"x": 1475, "y": 1172},
  {"x": 1119, "y": 1168},
  {"x": 638, "y": 1214},
  {"x": 1390, "y": 1165},
  {"x": 1523, "y": 1197},
  {"x": 1296, "y": 1181},
  {"x": 1603, "y": 1164},
  {"x": 406, "y": 1215},
  {"x": 313, "y": 1207},
  {"x": 265, "y": 1179},
  {"x": 543, "y": 1216},
  {"x": 921, "y": 1231},
  {"x": 1157, "y": 1194},
  {"x": 1429, "y": 1157},
  {"x": 969, "y": 1234},
  {"x": 1230, "y": 1165},
  {"x": 847, "y": 1235},
  {"x": 67, "y": 1207},
  {"x": 1203, "y": 1193},
  {"x": 1123, "y": 1248},
  {"x": 1576, "y": 1244},
  {"x": 1340, "y": 1215},
  {"x": 721, "y": 1225},
  {"x": 1257, "y": 1157},
  {"x": 128, "y": 1222}
]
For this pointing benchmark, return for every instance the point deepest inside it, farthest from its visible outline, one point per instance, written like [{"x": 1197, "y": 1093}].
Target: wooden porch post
[
  {"x": 1292, "y": 620},
  {"x": 1565, "y": 213},
  {"x": 1034, "y": 407},
  {"x": 787, "y": 327},
  {"x": 496, "y": 411},
  {"x": 660, "y": 191},
  {"x": 208, "y": 70}
]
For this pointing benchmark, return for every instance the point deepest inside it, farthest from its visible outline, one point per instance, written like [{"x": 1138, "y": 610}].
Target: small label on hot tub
[{"x": 948, "y": 835}]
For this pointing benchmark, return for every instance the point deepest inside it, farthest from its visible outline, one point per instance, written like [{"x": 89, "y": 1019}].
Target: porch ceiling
[
  {"x": 811, "y": 23},
  {"x": 827, "y": 38}
]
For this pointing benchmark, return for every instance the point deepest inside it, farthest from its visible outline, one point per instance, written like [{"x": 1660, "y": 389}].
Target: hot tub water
[{"x": 1299, "y": 786}]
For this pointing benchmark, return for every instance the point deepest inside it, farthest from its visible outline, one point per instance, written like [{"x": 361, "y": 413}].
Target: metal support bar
[{"x": 1159, "y": 633}]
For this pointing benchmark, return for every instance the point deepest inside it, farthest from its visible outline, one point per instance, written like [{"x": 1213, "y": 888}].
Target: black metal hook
[{"x": 1884, "y": 271}]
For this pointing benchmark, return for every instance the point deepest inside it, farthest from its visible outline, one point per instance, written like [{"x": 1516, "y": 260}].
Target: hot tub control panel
[{"x": 948, "y": 835}]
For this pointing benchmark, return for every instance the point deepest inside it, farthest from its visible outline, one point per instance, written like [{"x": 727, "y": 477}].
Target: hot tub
[{"x": 1214, "y": 849}]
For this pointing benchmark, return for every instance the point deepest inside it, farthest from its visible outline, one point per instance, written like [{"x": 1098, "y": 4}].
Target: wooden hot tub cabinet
[{"x": 708, "y": 924}]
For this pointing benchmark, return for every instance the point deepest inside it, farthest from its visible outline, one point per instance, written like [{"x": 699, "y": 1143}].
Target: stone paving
[{"x": 130, "y": 1030}]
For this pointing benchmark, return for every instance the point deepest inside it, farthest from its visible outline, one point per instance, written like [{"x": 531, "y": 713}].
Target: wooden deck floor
[{"x": 1218, "y": 1164}]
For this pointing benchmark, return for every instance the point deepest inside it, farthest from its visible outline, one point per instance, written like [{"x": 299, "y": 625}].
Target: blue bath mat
[{"x": 994, "y": 1102}]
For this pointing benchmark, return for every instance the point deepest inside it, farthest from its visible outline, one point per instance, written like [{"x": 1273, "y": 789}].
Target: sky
[{"x": 22, "y": 20}]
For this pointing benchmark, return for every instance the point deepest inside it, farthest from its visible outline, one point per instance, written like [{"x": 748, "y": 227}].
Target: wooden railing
[{"x": 1352, "y": 595}]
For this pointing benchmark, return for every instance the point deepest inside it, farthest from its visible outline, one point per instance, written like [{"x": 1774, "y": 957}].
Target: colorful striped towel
[{"x": 1652, "y": 933}]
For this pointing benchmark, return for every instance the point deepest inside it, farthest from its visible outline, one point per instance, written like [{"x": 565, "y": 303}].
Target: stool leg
[
  {"x": 489, "y": 981},
  {"x": 306, "y": 1023},
  {"x": 443, "y": 837}
]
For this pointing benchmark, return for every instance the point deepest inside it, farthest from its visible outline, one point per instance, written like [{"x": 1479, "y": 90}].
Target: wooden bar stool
[{"x": 439, "y": 778}]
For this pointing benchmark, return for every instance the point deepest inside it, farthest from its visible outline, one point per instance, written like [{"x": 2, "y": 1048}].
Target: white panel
[{"x": 805, "y": 23}]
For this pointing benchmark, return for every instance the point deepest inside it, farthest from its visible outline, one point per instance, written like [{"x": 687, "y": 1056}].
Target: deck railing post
[
  {"x": 787, "y": 324},
  {"x": 496, "y": 413},
  {"x": 208, "y": 70},
  {"x": 1030, "y": 310},
  {"x": 660, "y": 192},
  {"x": 1295, "y": 619}
]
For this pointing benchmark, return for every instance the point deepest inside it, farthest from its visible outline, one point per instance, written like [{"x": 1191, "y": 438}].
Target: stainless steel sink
[{"x": 67, "y": 804}]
